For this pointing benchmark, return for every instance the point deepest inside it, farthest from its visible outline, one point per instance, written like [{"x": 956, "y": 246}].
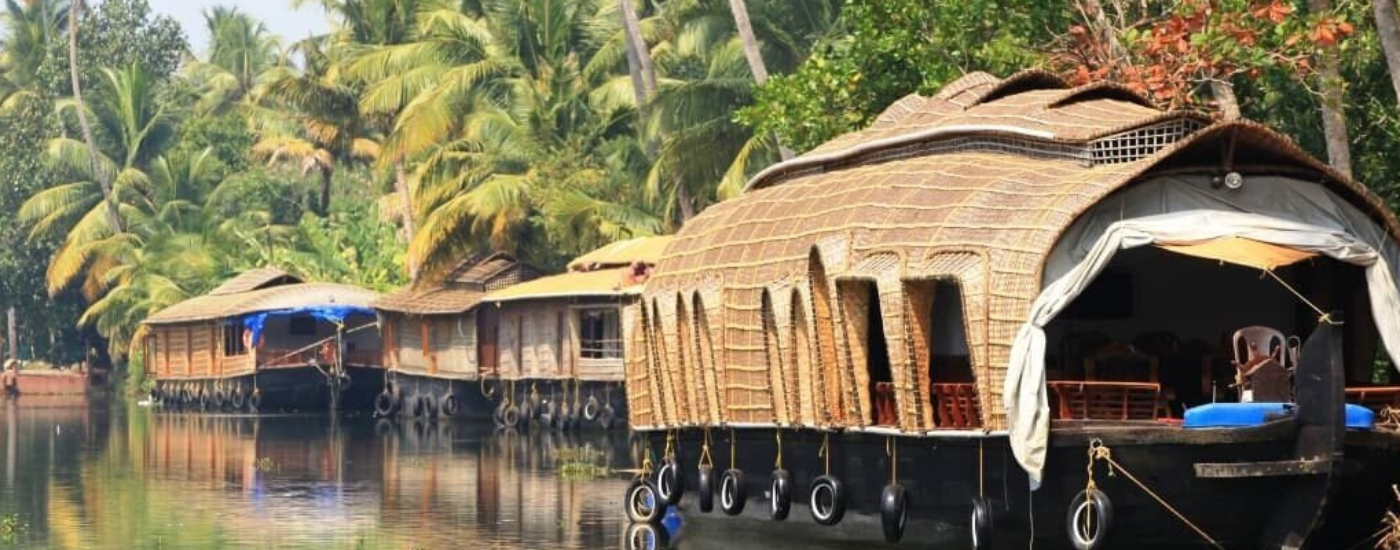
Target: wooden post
[
  {"x": 189, "y": 350},
  {"x": 12, "y": 333}
]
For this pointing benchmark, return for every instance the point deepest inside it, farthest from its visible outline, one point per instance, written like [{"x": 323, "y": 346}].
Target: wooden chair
[{"x": 956, "y": 406}]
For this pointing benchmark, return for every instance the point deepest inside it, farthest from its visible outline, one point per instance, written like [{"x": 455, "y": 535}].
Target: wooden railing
[
  {"x": 1086, "y": 400},
  {"x": 956, "y": 406},
  {"x": 1375, "y": 398}
]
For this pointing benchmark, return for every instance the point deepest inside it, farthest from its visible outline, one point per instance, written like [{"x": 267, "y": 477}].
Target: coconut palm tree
[
  {"x": 30, "y": 31},
  {"x": 241, "y": 51}
]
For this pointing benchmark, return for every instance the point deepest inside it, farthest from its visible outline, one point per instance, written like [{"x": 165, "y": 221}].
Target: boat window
[
  {"x": 865, "y": 326},
  {"x": 938, "y": 344},
  {"x": 600, "y": 334},
  {"x": 233, "y": 341},
  {"x": 302, "y": 325}
]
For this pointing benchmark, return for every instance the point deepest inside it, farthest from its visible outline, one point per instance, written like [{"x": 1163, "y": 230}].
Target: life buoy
[
  {"x": 827, "y": 500},
  {"x": 450, "y": 405},
  {"x": 894, "y": 511},
  {"x": 606, "y": 417},
  {"x": 732, "y": 493},
  {"x": 705, "y": 488},
  {"x": 780, "y": 499},
  {"x": 591, "y": 409},
  {"x": 647, "y": 536},
  {"x": 669, "y": 483},
  {"x": 384, "y": 403},
  {"x": 1089, "y": 520},
  {"x": 981, "y": 524},
  {"x": 643, "y": 504}
]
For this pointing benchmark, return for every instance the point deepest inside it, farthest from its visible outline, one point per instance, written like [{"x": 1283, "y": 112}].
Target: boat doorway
[{"x": 1159, "y": 332}]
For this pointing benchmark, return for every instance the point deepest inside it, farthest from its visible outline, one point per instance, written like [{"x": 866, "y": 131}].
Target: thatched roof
[
  {"x": 646, "y": 250},
  {"x": 255, "y": 279},
  {"x": 461, "y": 289},
  {"x": 211, "y": 307},
  {"x": 974, "y": 184},
  {"x": 604, "y": 283}
]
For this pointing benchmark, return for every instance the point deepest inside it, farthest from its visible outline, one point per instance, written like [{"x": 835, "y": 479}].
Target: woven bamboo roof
[
  {"x": 221, "y": 306},
  {"x": 622, "y": 253},
  {"x": 255, "y": 279},
  {"x": 974, "y": 185},
  {"x": 461, "y": 289},
  {"x": 603, "y": 283}
]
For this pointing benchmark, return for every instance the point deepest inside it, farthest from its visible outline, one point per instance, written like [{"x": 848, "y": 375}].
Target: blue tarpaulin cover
[
  {"x": 1235, "y": 415},
  {"x": 336, "y": 314}
]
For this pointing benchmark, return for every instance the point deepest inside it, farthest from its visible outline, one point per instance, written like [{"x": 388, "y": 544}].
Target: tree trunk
[
  {"x": 638, "y": 46},
  {"x": 686, "y": 203},
  {"x": 1388, "y": 27},
  {"x": 406, "y": 197},
  {"x": 12, "y": 332},
  {"x": 1334, "y": 121},
  {"x": 755, "y": 57},
  {"x": 635, "y": 49},
  {"x": 326, "y": 175},
  {"x": 1225, "y": 99},
  {"x": 113, "y": 216}
]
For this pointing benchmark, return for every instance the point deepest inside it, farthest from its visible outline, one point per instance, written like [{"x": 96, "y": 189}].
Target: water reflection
[{"x": 94, "y": 476}]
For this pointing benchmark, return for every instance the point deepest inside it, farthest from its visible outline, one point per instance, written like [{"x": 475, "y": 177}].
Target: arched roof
[{"x": 210, "y": 307}]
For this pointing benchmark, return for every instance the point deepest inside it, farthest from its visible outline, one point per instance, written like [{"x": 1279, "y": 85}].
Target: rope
[
  {"x": 1099, "y": 451},
  {"x": 778, "y": 463},
  {"x": 892, "y": 451},
  {"x": 670, "y": 451},
  {"x": 1322, "y": 316},
  {"x": 733, "y": 444},
  {"x": 825, "y": 453},
  {"x": 705, "y": 458}
]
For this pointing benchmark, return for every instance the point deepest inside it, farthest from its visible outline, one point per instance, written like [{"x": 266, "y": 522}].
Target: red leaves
[
  {"x": 1329, "y": 31},
  {"x": 1276, "y": 11}
]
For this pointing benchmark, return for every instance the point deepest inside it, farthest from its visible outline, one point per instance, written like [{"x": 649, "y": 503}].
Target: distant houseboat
[
  {"x": 1017, "y": 284},
  {"x": 547, "y": 349},
  {"x": 265, "y": 340}
]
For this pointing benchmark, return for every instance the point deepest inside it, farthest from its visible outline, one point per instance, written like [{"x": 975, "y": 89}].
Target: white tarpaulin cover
[{"x": 1184, "y": 211}]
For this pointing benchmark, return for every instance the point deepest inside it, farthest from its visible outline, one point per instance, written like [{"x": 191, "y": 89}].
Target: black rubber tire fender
[
  {"x": 780, "y": 495},
  {"x": 1089, "y": 521},
  {"x": 982, "y": 524},
  {"x": 646, "y": 536},
  {"x": 384, "y": 404},
  {"x": 733, "y": 494},
  {"x": 451, "y": 405},
  {"x": 236, "y": 398},
  {"x": 429, "y": 403},
  {"x": 827, "y": 500},
  {"x": 344, "y": 382},
  {"x": 498, "y": 414},
  {"x": 591, "y": 409},
  {"x": 606, "y": 417},
  {"x": 255, "y": 401},
  {"x": 670, "y": 484},
  {"x": 705, "y": 488},
  {"x": 510, "y": 417},
  {"x": 218, "y": 399},
  {"x": 642, "y": 503},
  {"x": 894, "y": 511}
]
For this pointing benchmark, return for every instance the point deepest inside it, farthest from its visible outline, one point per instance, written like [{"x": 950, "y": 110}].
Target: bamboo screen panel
[
  {"x": 410, "y": 347},
  {"x": 201, "y": 353}
]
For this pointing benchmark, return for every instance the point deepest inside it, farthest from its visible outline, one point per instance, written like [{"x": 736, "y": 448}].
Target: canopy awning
[
  {"x": 1242, "y": 251},
  {"x": 607, "y": 283},
  {"x": 257, "y": 322}
]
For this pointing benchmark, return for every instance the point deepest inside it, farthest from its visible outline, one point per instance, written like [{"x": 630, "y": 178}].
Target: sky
[{"x": 278, "y": 15}]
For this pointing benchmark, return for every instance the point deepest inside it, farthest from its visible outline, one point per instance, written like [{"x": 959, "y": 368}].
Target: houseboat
[
  {"x": 266, "y": 340},
  {"x": 435, "y": 346},
  {"x": 1057, "y": 310},
  {"x": 496, "y": 340}
]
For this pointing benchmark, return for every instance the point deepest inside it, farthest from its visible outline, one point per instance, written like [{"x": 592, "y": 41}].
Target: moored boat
[
  {"x": 496, "y": 340},
  {"x": 266, "y": 341},
  {"x": 1055, "y": 309}
]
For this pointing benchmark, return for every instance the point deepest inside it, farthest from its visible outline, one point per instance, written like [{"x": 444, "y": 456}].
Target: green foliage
[
  {"x": 225, "y": 134},
  {"x": 884, "y": 50},
  {"x": 113, "y": 34}
]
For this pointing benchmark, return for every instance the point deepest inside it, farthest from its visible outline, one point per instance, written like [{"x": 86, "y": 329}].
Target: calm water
[{"x": 104, "y": 476}]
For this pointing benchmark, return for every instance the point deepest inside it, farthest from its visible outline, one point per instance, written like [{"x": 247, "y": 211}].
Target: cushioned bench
[{"x": 1239, "y": 415}]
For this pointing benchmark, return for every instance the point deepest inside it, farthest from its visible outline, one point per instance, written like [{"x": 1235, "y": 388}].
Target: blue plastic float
[{"x": 1240, "y": 415}]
